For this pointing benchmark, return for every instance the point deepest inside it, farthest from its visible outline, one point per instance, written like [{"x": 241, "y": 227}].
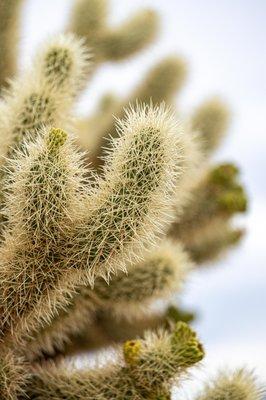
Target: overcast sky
[{"x": 224, "y": 44}]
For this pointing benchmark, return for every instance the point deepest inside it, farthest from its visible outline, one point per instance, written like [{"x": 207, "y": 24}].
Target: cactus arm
[
  {"x": 9, "y": 17},
  {"x": 148, "y": 370},
  {"x": 237, "y": 385},
  {"x": 88, "y": 20}
]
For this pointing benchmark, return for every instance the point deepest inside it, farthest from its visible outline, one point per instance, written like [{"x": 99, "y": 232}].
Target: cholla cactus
[
  {"x": 88, "y": 20},
  {"x": 161, "y": 83},
  {"x": 239, "y": 385},
  {"x": 9, "y": 32},
  {"x": 43, "y": 95},
  {"x": 84, "y": 257},
  {"x": 205, "y": 227},
  {"x": 147, "y": 371}
]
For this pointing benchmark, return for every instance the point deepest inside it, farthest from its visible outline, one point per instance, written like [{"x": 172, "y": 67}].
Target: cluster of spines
[
  {"x": 43, "y": 95},
  {"x": 159, "y": 275},
  {"x": 14, "y": 373},
  {"x": 240, "y": 384},
  {"x": 160, "y": 358}
]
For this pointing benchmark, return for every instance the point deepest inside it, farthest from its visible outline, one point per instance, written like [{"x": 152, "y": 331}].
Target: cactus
[
  {"x": 43, "y": 95},
  {"x": 137, "y": 187},
  {"x": 148, "y": 369},
  {"x": 211, "y": 120},
  {"x": 14, "y": 372},
  {"x": 86, "y": 254},
  {"x": 9, "y": 33},
  {"x": 112, "y": 44},
  {"x": 205, "y": 226},
  {"x": 238, "y": 385},
  {"x": 106, "y": 327},
  {"x": 215, "y": 239},
  {"x": 158, "y": 276},
  {"x": 161, "y": 83}
]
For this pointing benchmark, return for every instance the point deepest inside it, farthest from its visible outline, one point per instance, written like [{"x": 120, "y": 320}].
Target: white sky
[{"x": 224, "y": 43}]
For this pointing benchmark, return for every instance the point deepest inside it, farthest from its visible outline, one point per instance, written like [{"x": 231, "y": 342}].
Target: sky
[{"x": 224, "y": 45}]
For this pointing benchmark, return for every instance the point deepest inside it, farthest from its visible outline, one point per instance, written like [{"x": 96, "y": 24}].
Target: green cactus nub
[
  {"x": 233, "y": 201},
  {"x": 224, "y": 174},
  {"x": 132, "y": 350},
  {"x": 56, "y": 139},
  {"x": 182, "y": 333},
  {"x": 185, "y": 340},
  {"x": 175, "y": 314}
]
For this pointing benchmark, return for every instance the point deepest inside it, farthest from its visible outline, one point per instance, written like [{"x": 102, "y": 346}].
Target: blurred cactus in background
[{"x": 96, "y": 230}]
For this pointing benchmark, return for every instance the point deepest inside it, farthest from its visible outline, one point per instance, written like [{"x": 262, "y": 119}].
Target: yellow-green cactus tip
[
  {"x": 182, "y": 332},
  {"x": 233, "y": 201},
  {"x": 192, "y": 350},
  {"x": 175, "y": 314},
  {"x": 224, "y": 174},
  {"x": 56, "y": 139},
  {"x": 131, "y": 350}
]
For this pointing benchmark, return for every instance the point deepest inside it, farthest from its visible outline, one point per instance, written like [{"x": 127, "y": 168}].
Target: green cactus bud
[
  {"x": 192, "y": 351},
  {"x": 176, "y": 314},
  {"x": 132, "y": 351},
  {"x": 233, "y": 201},
  {"x": 182, "y": 333},
  {"x": 217, "y": 196},
  {"x": 224, "y": 174},
  {"x": 56, "y": 138}
]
